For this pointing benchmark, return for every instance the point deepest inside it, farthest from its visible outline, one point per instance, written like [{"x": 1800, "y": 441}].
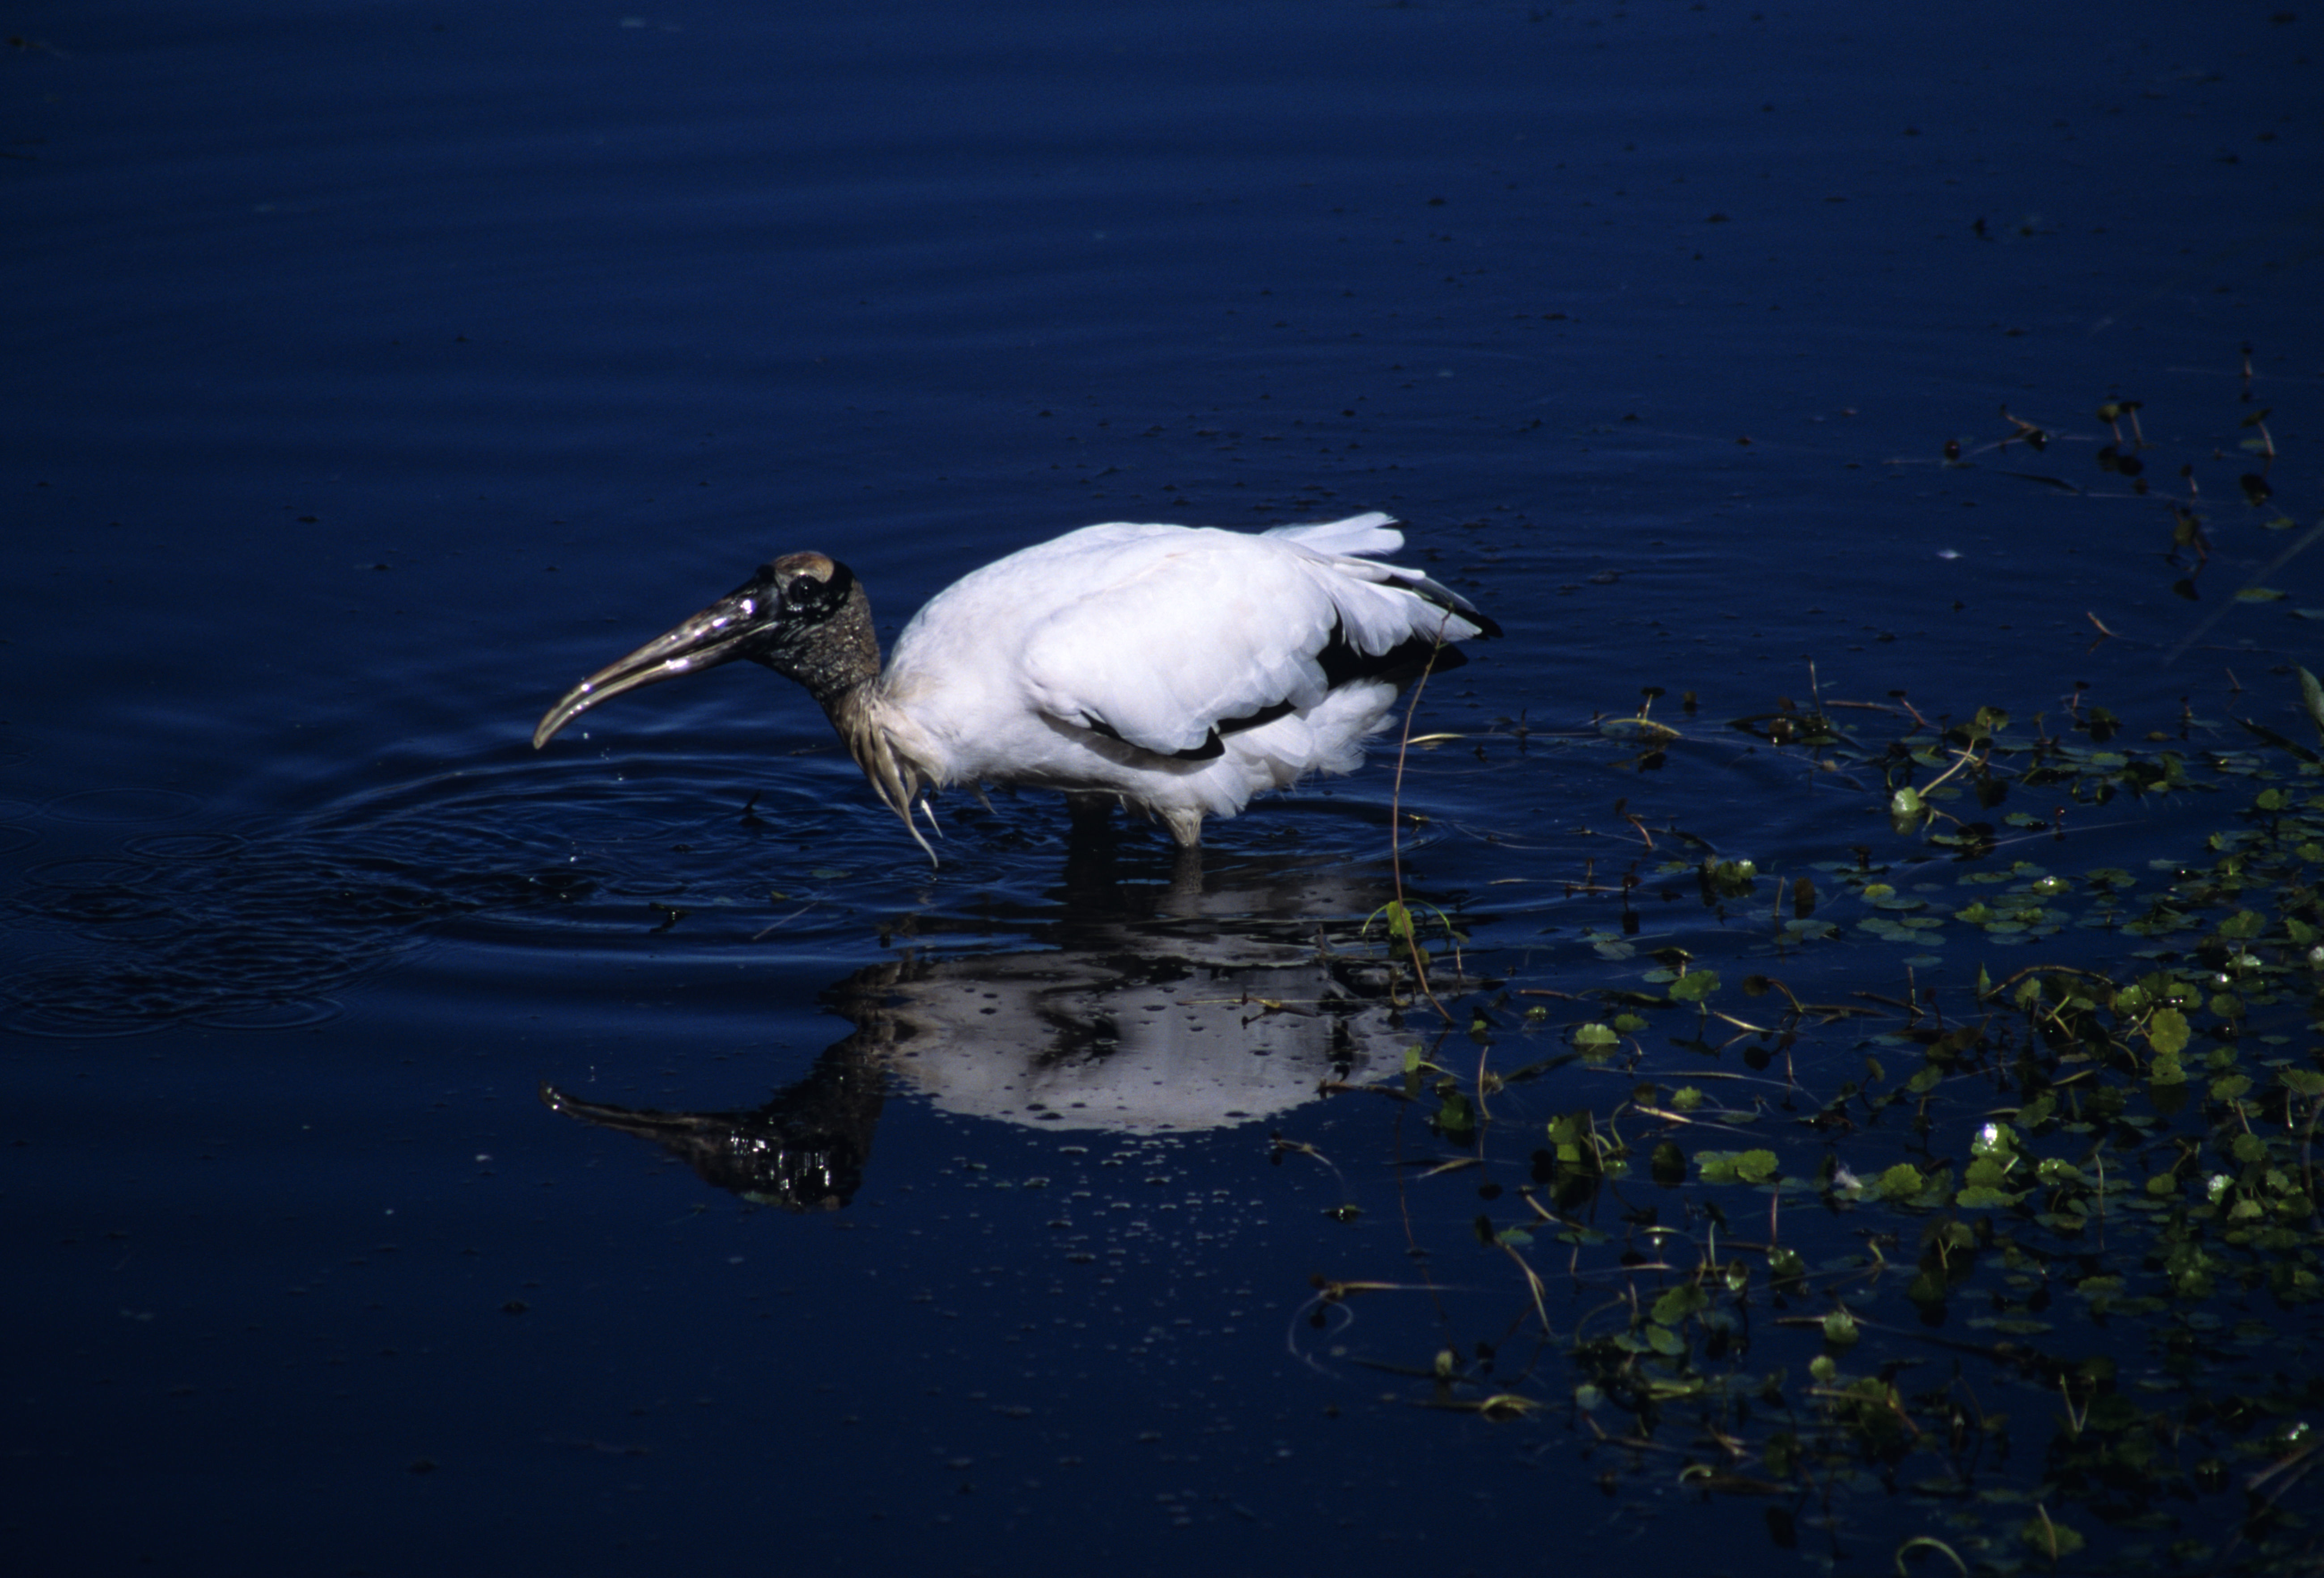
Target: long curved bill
[{"x": 710, "y": 638}]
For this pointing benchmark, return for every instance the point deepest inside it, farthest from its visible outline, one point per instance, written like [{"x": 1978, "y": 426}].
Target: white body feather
[{"x": 1087, "y": 663}]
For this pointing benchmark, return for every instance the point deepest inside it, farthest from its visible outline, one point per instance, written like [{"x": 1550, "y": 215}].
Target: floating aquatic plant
[
  {"x": 2027, "y": 1264},
  {"x": 2086, "y": 1245}
]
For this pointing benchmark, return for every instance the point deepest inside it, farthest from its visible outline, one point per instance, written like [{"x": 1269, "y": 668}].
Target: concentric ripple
[
  {"x": 264, "y": 923},
  {"x": 259, "y": 925}
]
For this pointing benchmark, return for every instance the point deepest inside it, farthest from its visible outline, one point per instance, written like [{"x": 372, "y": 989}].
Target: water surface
[{"x": 378, "y": 370}]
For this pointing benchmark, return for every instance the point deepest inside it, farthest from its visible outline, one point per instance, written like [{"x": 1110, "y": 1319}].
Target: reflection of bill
[
  {"x": 804, "y": 1150},
  {"x": 1171, "y": 1037}
]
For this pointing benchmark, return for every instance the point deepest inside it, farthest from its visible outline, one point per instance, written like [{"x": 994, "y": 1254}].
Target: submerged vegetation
[{"x": 2029, "y": 1255}]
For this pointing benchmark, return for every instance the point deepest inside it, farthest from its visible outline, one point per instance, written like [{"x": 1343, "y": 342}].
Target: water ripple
[
  {"x": 261, "y": 925},
  {"x": 122, "y": 804}
]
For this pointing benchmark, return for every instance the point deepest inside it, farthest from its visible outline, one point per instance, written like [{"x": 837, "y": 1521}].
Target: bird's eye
[{"x": 817, "y": 596}]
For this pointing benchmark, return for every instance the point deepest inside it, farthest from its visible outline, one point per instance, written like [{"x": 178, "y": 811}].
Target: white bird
[{"x": 1177, "y": 670}]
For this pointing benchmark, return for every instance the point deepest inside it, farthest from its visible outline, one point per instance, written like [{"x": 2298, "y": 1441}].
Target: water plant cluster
[
  {"x": 2016, "y": 1267},
  {"x": 2044, "y": 1260}
]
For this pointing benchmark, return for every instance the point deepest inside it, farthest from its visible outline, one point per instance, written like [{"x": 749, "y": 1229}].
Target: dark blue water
[{"x": 375, "y": 371}]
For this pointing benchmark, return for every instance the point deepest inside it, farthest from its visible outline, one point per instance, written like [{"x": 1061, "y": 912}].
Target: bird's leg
[
  {"x": 1186, "y": 871},
  {"x": 1092, "y": 813}
]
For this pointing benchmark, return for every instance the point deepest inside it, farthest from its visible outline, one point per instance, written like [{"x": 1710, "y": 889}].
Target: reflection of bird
[
  {"x": 1199, "y": 1015},
  {"x": 1179, "y": 670}
]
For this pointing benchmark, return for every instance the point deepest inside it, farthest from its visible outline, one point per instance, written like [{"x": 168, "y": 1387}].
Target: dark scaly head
[{"x": 804, "y": 615}]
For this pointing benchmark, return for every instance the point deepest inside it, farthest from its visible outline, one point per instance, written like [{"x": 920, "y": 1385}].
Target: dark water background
[{"x": 375, "y": 370}]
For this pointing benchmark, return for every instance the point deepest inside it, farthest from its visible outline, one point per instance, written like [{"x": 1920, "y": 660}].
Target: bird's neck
[
  {"x": 841, "y": 668},
  {"x": 894, "y": 751},
  {"x": 844, "y": 678}
]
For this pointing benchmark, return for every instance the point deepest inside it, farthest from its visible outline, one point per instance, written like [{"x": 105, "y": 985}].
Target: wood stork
[{"x": 1178, "y": 670}]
